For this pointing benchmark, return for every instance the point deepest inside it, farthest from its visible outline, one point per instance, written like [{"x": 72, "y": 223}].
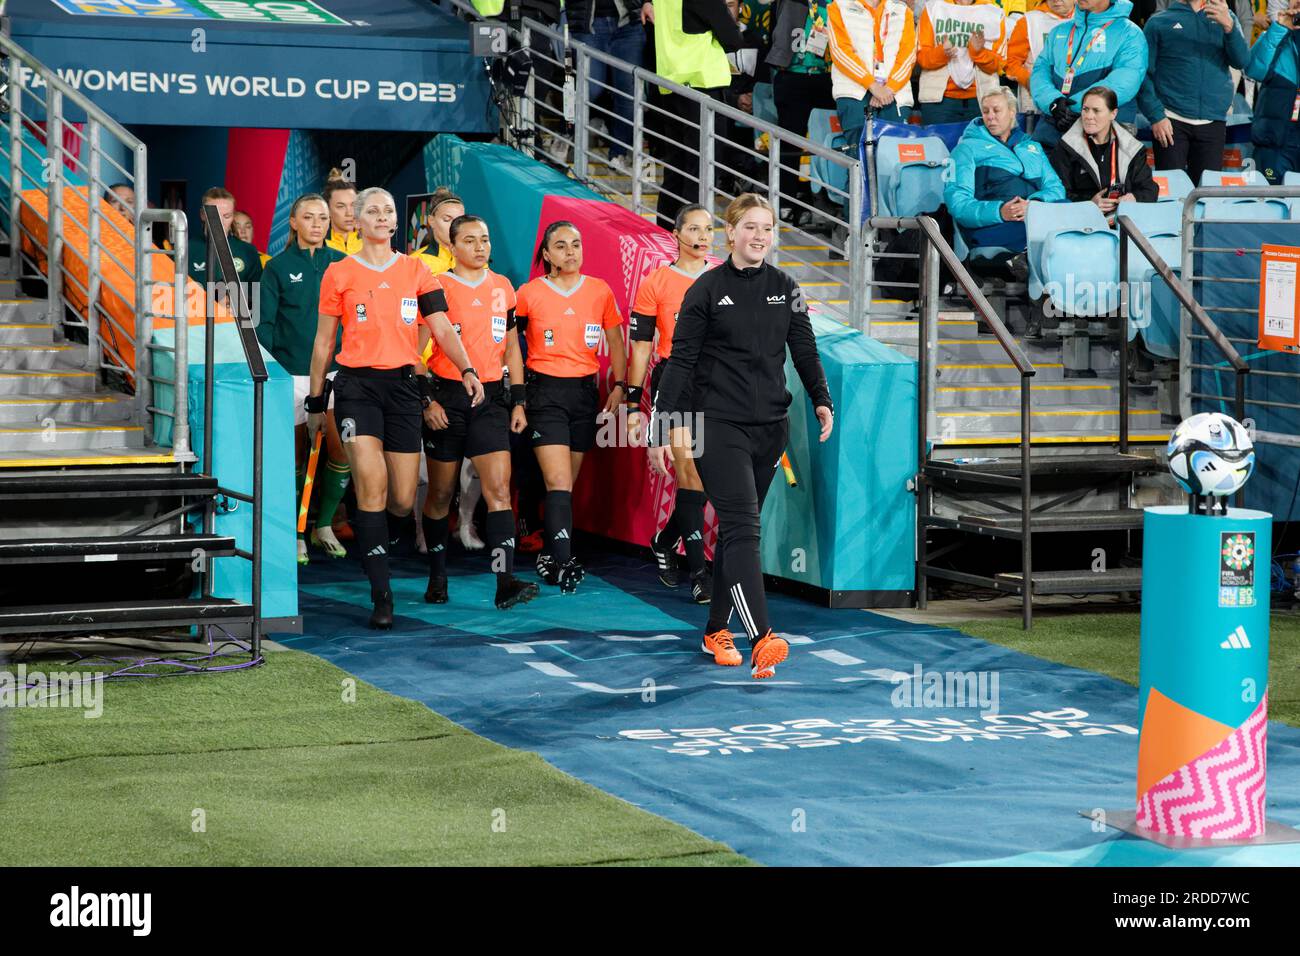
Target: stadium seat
[
  {"x": 1073, "y": 257},
  {"x": 824, "y": 129},
  {"x": 1153, "y": 309},
  {"x": 1246, "y": 209},
  {"x": 1174, "y": 184},
  {"x": 1292, "y": 179},
  {"x": 909, "y": 174}
]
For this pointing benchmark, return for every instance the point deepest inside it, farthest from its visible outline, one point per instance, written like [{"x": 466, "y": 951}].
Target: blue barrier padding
[
  {"x": 232, "y": 433},
  {"x": 849, "y": 524},
  {"x": 506, "y": 188},
  {"x": 825, "y": 764},
  {"x": 1276, "y": 467}
]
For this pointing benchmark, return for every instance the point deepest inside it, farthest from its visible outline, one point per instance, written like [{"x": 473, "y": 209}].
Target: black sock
[
  {"x": 689, "y": 518},
  {"x": 372, "y": 540},
  {"x": 668, "y": 535},
  {"x": 401, "y": 530},
  {"x": 435, "y": 538},
  {"x": 559, "y": 524},
  {"x": 499, "y": 530}
]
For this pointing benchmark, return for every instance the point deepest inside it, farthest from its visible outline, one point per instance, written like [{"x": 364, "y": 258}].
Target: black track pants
[{"x": 736, "y": 464}]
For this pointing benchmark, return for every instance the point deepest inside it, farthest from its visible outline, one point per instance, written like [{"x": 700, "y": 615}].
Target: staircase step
[
  {"x": 1006, "y": 471},
  {"x": 59, "y": 381},
  {"x": 94, "y": 549},
  {"x": 76, "y": 437},
  {"x": 971, "y": 422},
  {"x": 119, "y": 615},
  {"x": 75, "y": 407},
  {"x": 960, "y": 373},
  {"x": 1059, "y": 436},
  {"x": 1101, "y": 393},
  {"x": 985, "y": 348},
  {"x": 904, "y": 332},
  {"x": 106, "y": 484},
  {"x": 25, "y": 357},
  {"x": 1073, "y": 582},
  {"x": 26, "y": 333},
  {"x": 1009, "y": 526},
  {"x": 18, "y": 310}
]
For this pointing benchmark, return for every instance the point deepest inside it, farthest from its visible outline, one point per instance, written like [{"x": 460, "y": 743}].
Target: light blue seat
[
  {"x": 909, "y": 174},
  {"x": 1153, "y": 308},
  {"x": 1177, "y": 184},
  {"x": 821, "y": 131},
  {"x": 1246, "y": 209},
  {"x": 1073, "y": 258},
  {"x": 1292, "y": 179}
]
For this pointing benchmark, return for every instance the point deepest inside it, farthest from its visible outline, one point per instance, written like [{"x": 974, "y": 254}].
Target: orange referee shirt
[
  {"x": 379, "y": 309},
  {"x": 563, "y": 328},
  {"x": 658, "y": 300},
  {"x": 481, "y": 313}
]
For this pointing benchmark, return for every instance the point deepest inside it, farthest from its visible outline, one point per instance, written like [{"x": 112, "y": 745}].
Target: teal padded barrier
[
  {"x": 506, "y": 188},
  {"x": 232, "y": 434},
  {"x": 849, "y": 525}
]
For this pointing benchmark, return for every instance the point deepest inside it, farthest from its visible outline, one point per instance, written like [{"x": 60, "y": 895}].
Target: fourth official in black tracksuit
[{"x": 727, "y": 379}]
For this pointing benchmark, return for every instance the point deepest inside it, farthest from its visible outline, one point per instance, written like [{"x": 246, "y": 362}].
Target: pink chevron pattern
[{"x": 1220, "y": 794}]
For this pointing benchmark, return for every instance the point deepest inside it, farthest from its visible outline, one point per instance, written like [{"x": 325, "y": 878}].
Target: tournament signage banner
[{"x": 280, "y": 65}]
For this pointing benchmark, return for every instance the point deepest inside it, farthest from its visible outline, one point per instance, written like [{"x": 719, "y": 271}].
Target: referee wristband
[
  {"x": 634, "y": 393},
  {"x": 518, "y": 395},
  {"x": 316, "y": 404}
]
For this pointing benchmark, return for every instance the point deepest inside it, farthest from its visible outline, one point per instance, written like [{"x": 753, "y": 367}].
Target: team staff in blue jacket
[
  {"x": 1100, "y": 46},
  {"x": 994, "y": 172},
  {"x": 1275, "y": 65},
  {"x": 1188, "y": 89}
]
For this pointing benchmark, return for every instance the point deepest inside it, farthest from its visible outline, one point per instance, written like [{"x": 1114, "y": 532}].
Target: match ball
[{"x": 1211, "y": 454}]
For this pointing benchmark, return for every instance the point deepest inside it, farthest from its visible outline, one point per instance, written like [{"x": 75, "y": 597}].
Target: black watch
[{"x": 468, "y": 370}]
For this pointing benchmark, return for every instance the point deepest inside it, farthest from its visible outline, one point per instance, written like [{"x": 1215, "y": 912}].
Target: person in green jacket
[
  {"x": 248, "y": 261},
  {"x": 288, "y": 313}
]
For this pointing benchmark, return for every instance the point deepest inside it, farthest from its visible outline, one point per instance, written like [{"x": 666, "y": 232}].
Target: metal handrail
[
  {"x": 178, "y": 228},
  {"x": 527, "y": 130},
  {"x": 1230, "y": 354},
  {"x": 1182, "y": 288},
  {"x": 221, "y": 266},
  {"x": 937, "y": 251},
  {"x": 59, "y": 96}
]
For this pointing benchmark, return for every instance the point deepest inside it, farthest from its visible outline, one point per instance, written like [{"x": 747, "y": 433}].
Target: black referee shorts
[
  {"x": 383, "y": 402},
  {"x": 470, "y": 432},
  {"x": 562, "y": 411}
]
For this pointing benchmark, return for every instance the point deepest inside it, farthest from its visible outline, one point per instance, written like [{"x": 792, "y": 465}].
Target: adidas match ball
[{"x": 1211, "y": 454}]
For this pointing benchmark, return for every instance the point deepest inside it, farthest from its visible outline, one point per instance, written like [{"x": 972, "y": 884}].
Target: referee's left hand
[
  {"x": 827, "y": 418},
  {"x": 473, "y": 388}
]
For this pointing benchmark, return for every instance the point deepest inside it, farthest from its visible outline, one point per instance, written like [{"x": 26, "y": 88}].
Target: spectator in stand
[
  {"x": 1028, "y": 37},
  {"x": 248, "y": 262},
  {"x": 691, "y": 44},
  {"x": 1099, "y": 46},
  {"x": 1188, "y": 90},
  {"x": 122, "y": 198},
  {"x": 801, "y": 83},
  {"x": 613, "y": 27},
  {"x": 873, "y": 50},
  {"x": 1100, "y": 161},
  {"x": 339, "y": 196},
  {"x": 963, "y": 46},
  {"x": 756, "y": 19},
  {"x": 287, "y": 322},
  {"x": 1275, "y": 65},
  {"x": 242, "y": 228},
  {"x": 995, "y": 172},
  {"x": 742, "y": 172}
]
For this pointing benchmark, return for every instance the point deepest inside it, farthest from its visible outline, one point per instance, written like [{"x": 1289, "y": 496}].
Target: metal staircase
[{"x": 101, "y": 528}]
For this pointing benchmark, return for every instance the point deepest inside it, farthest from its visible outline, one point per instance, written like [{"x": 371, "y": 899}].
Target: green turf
[
  {"x": 286, "y": 772},
  {"x": 1108, "y": 644}
]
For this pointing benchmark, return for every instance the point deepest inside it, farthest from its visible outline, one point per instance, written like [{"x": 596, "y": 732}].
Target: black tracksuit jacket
[{"x": 728, "y": 358}]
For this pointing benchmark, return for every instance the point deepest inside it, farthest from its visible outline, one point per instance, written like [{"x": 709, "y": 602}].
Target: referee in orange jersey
[
  {"x": 481, "y": 308},
  {"x": 564, "y": 315},
  {"x": 380, "y": 391}
]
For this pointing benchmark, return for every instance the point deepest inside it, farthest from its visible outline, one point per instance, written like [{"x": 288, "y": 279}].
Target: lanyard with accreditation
[{"x": 1069, "y": 49}]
